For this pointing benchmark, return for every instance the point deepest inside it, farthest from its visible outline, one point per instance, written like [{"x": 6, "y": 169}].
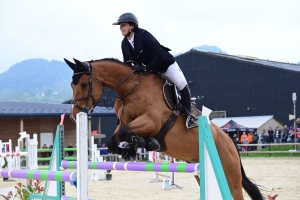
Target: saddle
[{"x": 172, "y": 99}]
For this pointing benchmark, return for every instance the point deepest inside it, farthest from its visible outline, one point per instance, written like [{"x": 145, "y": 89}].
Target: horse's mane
[{"x": 107, "y": 59}]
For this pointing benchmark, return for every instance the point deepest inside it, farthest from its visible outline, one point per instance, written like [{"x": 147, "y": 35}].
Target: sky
[{"x": 53, "y": 29}]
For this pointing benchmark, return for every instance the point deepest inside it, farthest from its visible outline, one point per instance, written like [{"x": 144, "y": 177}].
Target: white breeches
[{"x": 175, "y": 75}]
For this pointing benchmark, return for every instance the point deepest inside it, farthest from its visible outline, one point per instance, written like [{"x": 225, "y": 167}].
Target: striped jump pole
[
  {"x": 70, "y": 198},
  {"x": 41, "y": 175},
  {"x": 137, "y": 166},
  {"x": 8, "y": 154}
]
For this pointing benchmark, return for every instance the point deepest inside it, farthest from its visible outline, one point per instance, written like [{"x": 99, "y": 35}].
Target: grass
[{"x": 274, "y": 148}]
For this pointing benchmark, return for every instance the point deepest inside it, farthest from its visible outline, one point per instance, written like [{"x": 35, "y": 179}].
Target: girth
[{"x": 160, "y": 137}]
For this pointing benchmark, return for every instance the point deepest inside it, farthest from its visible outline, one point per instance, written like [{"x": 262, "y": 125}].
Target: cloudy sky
[{"x": 52, "y": 29}]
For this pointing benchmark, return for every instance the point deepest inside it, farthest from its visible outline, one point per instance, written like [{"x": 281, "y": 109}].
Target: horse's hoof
[
  {"x": 137, "y": 141},
  {"x": 152, "y": 144}
]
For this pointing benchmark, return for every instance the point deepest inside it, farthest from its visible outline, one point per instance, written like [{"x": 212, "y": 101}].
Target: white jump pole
[{"x": 82, "y": 155}]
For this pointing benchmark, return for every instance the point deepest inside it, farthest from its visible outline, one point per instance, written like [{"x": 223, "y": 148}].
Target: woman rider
[{"x": 141, "y": 46}]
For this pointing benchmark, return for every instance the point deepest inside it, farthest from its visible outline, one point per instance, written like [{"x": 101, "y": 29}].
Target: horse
[{"x": 142, "y": 111}]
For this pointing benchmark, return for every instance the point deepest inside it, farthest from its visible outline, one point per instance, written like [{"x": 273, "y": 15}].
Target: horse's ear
[
  {"x": 71, "y": 65},
  {"x": 80, "y": 64}
]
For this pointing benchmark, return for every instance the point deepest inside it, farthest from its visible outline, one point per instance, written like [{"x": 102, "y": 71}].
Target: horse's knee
[
  {"x": 112, "y": 144},
  {"x": 123, "y": 133}
]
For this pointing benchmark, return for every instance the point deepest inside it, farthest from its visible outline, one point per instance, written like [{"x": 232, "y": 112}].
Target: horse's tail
[{"x": 251, "y": 188}]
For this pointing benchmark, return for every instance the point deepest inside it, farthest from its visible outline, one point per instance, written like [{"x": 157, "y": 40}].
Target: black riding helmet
[{"x": 127, "y": 17}]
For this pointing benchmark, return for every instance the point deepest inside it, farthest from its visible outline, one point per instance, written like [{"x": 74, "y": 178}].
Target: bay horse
[{"x": 142, "y": 111}]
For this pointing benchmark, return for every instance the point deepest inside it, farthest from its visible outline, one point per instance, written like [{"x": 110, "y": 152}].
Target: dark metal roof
[
  {"x": 250, "y": 59},
  {"x": 35, "y": 109}
]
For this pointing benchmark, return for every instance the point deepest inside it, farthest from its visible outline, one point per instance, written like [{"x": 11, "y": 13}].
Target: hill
[
  {"x": 41, "y": 80},
  {"x": 210, "y": 48},
  {"x": 205, "y": 47},
  {"x": 36, "y": 80}
]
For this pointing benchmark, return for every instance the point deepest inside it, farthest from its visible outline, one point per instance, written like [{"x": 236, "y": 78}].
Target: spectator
[
  {"x": 249, "y": 136},
  {"x": 285, "y": 129},
  {"x": 44, "y": 154},
  {"x": 277, "y": 134},
  {"x": 265, "y": 139},
  {"x": 244, "y": 140},
  {"x": 284, "y": 137},
  {"x": 238, "y": 142},
  {"x": 234, "y": 137},
  {"x": 298, "y": 135},
  {"x": 70, "y": 153},
  {"x": 255, "y": 139},
  {"x": 50, "y": 147},
  {"x": 271, "y": 135},
  {"x": 289, "y": 137},
  {"x": 262, "y": 134},
  {"x": 103, "y": 150},
  {"x": 293, "y": 136}
]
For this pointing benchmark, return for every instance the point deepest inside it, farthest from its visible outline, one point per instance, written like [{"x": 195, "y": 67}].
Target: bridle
[
  {"x": 85, "y": 107},
  {"x": 89, "y": 110}
]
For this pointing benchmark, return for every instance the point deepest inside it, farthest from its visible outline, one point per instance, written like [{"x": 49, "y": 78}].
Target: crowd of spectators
[
  {"x": 277, "y": 135},
  {"x": 284, "y": 135}
]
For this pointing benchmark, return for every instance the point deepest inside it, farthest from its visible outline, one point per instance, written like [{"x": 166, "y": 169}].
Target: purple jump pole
[
  {"x": 70, "y": 198},
  {"x": 137, "y": 166},
  {"x": 41, "y": 175}
]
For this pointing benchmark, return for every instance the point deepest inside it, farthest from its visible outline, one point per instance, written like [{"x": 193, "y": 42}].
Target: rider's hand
[{"x": 139, "y": 68}]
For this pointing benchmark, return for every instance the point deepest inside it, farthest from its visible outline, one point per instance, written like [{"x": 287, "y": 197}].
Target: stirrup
[{"x": 191, "y": 122}]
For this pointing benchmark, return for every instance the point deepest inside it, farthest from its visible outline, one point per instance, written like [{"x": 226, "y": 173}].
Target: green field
[{"x": 274, "y": 149}]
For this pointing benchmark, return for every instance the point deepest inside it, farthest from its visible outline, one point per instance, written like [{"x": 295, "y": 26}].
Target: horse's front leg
[
  {"x": 125, "y": 149},
  {"x": 139, "y": 132},
  {"x": 113, "y": 145}
]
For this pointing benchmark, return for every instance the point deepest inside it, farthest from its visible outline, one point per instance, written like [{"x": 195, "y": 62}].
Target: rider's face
[{"x": 125, "y": 27}]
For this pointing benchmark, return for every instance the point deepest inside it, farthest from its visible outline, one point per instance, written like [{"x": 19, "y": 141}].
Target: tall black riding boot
[{"x": 185, "y": 94}]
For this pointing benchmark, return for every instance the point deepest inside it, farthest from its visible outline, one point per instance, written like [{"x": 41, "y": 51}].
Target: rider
[{"x": 141, "y": 46}]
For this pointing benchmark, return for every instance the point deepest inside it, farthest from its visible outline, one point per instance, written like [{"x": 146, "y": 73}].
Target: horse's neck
[{"x": 112, "y": 73}]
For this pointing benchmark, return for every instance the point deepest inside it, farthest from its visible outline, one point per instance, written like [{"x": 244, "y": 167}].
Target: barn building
[{"x": 242, "y": 85}]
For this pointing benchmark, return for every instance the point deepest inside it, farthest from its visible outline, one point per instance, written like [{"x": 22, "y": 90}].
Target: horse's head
[{"x": 87, "y": 89}]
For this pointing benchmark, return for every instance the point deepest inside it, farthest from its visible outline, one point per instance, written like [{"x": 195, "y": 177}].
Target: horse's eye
[{"x": 83, "y": 85}]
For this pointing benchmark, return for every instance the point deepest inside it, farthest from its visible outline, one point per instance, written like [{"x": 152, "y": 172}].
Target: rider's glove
[{"x": 139, "y": 68}]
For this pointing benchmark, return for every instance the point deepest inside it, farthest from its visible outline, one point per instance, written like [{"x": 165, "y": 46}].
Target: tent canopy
[{"x": 233, "y": 126}]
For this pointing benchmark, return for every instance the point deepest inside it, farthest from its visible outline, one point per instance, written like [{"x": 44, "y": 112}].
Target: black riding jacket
[{"x": 147, "y": 51}]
